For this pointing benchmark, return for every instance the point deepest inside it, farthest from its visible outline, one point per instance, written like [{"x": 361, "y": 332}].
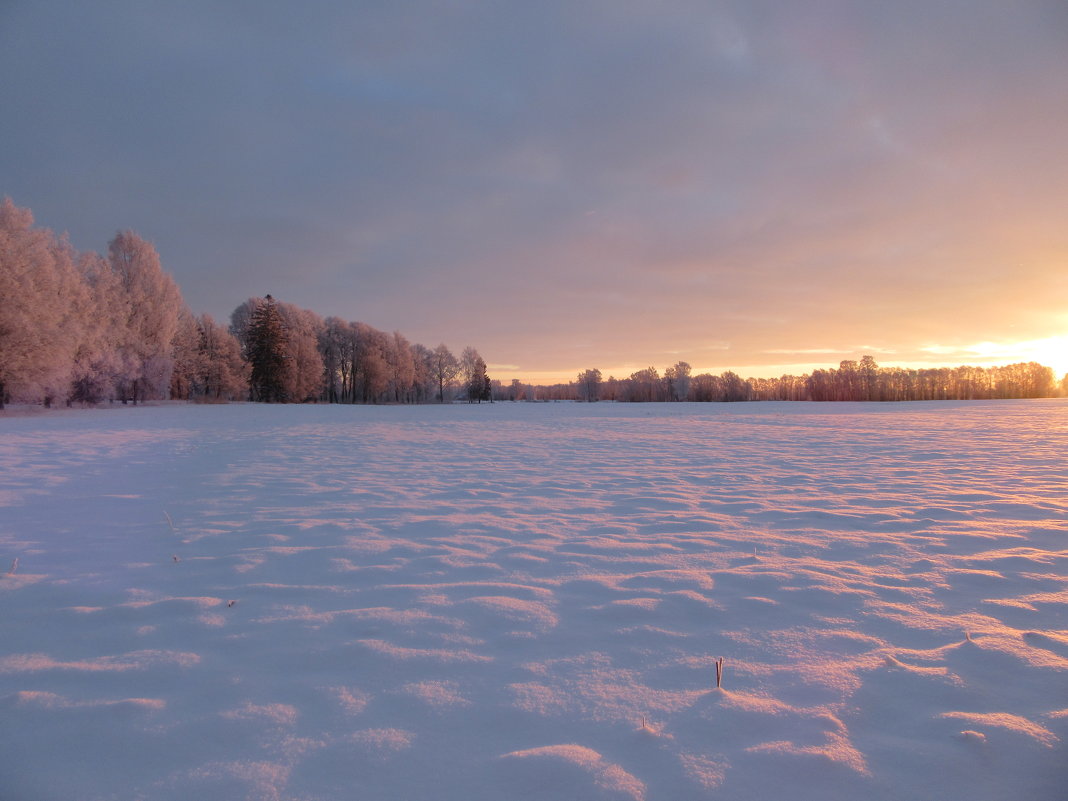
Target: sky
[{"x": 760, "y": 186}]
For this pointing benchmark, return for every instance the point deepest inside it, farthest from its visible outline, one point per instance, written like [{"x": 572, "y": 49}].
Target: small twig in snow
[
  {"x": 719, "y": 672},
  {"x": 170, "y": 522}
]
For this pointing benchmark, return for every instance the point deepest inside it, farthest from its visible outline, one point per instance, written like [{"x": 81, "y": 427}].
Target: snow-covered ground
[{"x": 527, "y": 601}]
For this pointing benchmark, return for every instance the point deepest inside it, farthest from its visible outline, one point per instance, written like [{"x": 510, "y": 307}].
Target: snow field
[{"x": 527, "y": 601}]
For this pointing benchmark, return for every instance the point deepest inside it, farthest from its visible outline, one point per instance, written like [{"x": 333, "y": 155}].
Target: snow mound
[{"x": 590, "y": 775}]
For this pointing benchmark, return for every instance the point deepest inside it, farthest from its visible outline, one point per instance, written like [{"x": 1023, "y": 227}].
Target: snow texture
[{"x": 527, "y": 601}]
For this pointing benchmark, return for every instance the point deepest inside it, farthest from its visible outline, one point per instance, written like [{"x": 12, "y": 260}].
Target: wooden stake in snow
[{"x": 719, "y": 672}]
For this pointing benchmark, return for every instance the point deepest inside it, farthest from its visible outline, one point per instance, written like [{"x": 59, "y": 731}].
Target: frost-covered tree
[
  {"x": 589, "y": 385},
  {"x": 734, "y": 387},
  {"x": 333, "y": 340},
  {"x": 291, "y": 368},
  {"x": 401, "y": 369},
  {"x": 185, "y": 350},
  {"x": 102, "y": 318},
  {"x": 222, "y": 374},
  {"x": 423, "y": 387},
  {"x": 644, "y": 386},
  {"x": 443, "y": 368},
  {"x": 472, "y": 374},
  {"x": 868, "y": 378},
  {"x": 677, "y": 379},
  {"x": 468, "y": 357},
  {"x": 151, "y": 311},
  {"x": 305, "y": 375},
  {"x": 704, "y": 388},
  {"x": 477, "y": 384},
  {"x": 40, "y": 294},
  {"x": 87, "y": 328},
  {"x": 370, "y": 364}
]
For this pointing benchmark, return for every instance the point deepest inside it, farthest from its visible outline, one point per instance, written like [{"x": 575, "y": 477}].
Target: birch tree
[
  {"x": 185, "y": 351},
  {"x": 444, "y": 368},
  {"x": 589, "y": 385},
  {"x": 221, "y": 372},
  {"x": 152, "y": 306},
  {"x": 39, "y": 291},
  {"x": 102, "y": 318},
  {"x": 677, "y": 379}
]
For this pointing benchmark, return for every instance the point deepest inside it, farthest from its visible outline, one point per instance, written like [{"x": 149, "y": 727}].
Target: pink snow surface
[{"x": 527, "y": 601}]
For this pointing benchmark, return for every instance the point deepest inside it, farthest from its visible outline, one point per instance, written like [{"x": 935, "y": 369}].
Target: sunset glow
[
  {"x": 764, "y": 189},
  {"x": 567, "y": 400},
  {"x": 1050, "y": 351}
]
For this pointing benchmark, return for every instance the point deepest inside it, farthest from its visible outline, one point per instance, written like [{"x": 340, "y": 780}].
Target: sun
[{"x": 1049, "y": 351}]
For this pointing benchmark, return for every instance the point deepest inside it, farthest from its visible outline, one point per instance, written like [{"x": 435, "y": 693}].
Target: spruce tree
[
  {"x": 267, "y": 342},
  {"x": 479, "y": 387}
]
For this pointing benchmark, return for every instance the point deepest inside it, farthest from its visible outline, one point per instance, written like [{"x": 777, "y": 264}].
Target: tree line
[
  {"x": 851, "y": 381},
  {"x": 85, "y": 328},
  {"x": 294, "y": 355}
]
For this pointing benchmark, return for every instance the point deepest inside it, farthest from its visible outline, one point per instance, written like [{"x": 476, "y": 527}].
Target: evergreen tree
[
  {"x": 267, "y": 342},
  {"x": 476, "y": 384},
  {"x": 479, "y": 387}
]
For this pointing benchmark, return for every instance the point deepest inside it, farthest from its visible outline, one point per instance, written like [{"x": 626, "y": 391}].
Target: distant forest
[
  {"x": 852, "y": 381},
  {"x": 86, "y": 328}
]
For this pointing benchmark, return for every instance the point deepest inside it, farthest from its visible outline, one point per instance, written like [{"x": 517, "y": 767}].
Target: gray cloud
[{"x": 567, "y": 184}]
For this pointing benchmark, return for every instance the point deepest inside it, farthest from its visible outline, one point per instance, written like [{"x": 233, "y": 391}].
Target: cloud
[{"x": 567, "y": 184}]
